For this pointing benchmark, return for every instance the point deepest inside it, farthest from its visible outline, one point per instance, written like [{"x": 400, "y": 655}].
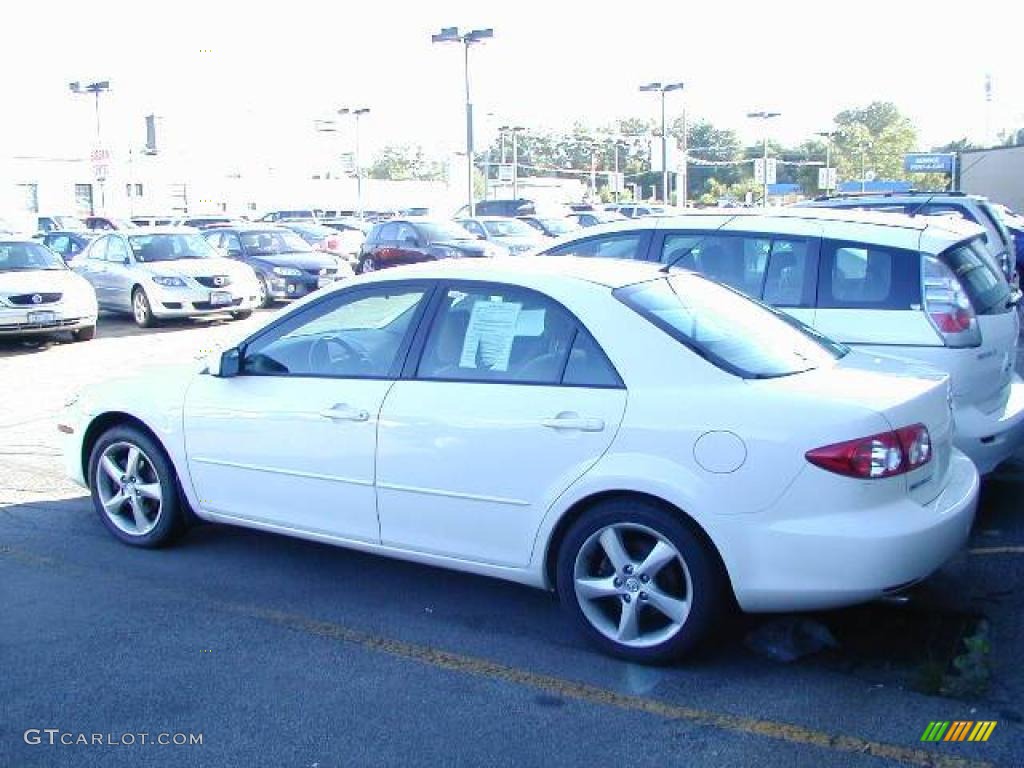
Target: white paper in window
[
  {"x": 491, "y": 331},
  {"x": 530, "y": 323}
]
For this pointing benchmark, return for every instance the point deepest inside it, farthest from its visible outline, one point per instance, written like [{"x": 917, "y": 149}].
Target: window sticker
[
  {"x": 530, "y": 323},
  {"x": 491, "y": 331}
]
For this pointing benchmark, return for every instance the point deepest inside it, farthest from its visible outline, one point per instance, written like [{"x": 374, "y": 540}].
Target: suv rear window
[
  {"x": 988, "y": 291},
  {"x": 727, "y": 329},
  {"x": 863, "y": 276}
]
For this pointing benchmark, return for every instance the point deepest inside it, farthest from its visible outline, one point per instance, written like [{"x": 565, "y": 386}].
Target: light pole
[
  {"x": 663, "y": 88},
  {"x": 765, "y": 117},
  {"x": 515, "y": 130},
  {"x": 357, "y": 112},
  {"x": 828, "y": 136},
  {"x": 863, "y": 166},
  {"x": 452, "y": 35},
  {"x": 101, "y": 86}
]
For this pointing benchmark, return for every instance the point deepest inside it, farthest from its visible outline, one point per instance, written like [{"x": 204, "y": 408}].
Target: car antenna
[
  {"x": 699, "y": 243},
  {"x": 920, "y": 206}
]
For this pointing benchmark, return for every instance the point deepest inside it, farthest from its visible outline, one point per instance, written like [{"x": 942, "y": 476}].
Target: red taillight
[
  {"x": 332, "y": 244},
  {"x": 948, "y": 305},
  {"x": 883, "y": 455}
]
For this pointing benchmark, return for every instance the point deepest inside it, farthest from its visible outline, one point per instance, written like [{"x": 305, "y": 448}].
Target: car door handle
[
  {"x": 573, "y": 421},
  {"x": 345, "y": 412}
]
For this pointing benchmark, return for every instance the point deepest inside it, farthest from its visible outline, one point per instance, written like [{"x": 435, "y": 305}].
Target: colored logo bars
[{"x": 958, "y": 730}]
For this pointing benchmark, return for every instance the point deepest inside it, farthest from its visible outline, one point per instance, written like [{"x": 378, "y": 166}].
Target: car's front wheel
[
  {"x": 367, "y": 264},
  {"x": 135, "y": 488},
  {"x": 639, "y": 581},
  {"x": 265, "y": 299},
  {"x": 84, "y": 334},
  {"x": 141, "y": 309}
]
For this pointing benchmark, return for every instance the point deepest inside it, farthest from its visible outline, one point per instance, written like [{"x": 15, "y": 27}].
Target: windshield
[
  {"x": 269, "y": 243},
  {"x": 729, "y": 330},
  {"x": 314, "y": 233},
  {"x": 68, "y": 222},
  {"x": 559, "y": 226},
  {"x": 985, "y": 287},
  {"x": 509, "y": 228},
  {"x": 170, "y": 247},
  {"x": 21, "y": 257},
  {"x": 443, "y": 230}
]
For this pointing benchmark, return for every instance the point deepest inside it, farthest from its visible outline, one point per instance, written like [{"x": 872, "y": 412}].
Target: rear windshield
[
  {"x": 987, "y": 289},
  {"x": 729, "y": 330}
]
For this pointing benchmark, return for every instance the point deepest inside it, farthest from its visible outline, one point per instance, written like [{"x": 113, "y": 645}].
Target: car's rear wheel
[
  {"x": 135, "y": 488},
  {"x": 84, "y": 334},
  {"x": 265, "y": 299},
  {"x": 367, "y": 264},
  {"x": 639, "y": 581},
  {"x": 141, "y": 309}
]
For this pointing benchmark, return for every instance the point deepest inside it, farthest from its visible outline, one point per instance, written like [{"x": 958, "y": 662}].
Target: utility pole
[
  {"x": 96, "y": 88},
  {"x": 663, "y": 88},
  {"x": 452, "y": 35},
  {"x": 357, "y": 112},
  {"x": 515, "y": 130},
  {"x": 764, "y": 117},
  {"x": 828, "y": 136}
]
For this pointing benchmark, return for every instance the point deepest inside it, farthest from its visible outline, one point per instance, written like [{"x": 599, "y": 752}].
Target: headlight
[
  {"x": 287, "y": 272},
  {"x": 169, "y": 282}
]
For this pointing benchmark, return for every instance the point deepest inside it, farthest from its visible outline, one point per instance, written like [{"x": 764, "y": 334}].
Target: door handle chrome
[
  {"x": 345, "y": 412},
  {"x": 572, "y": 421}
]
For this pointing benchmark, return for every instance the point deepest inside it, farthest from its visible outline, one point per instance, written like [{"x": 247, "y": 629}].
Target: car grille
[
  {"x": 214, "y": 281},
  {"x": 327, "y": 271},
  {"x": 203, "y": 305},
  {"x": 28, "y": 299}
]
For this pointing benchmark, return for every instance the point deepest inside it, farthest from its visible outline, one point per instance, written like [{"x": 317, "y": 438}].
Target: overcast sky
[{"x": 237, "y": 81}]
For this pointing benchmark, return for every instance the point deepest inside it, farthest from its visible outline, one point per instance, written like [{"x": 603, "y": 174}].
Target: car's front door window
[{"x": 355, "y": 334}]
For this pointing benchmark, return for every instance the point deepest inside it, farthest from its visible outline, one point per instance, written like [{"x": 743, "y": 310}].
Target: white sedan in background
[
  {"x": 649, "y": 445},
  {"x": 39, "y": 294}
]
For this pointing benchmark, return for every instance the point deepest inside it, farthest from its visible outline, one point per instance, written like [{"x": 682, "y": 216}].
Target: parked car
[
  {"x": 293, "y": 213},
  {"x": 593, "y": 218},
  {"x": 286, "y": 266},
  {"x": 552, "y": 226},
  {"x": 68, "y": 243},
  {"x": 154, "y": 221},
  {"x": 408, "y": 241},
  {"x": 163, "y": 272},
  {"x": 515, "y": 235},
  {"x": 1014, "y": 224},
  {"x": 974, "y": 208},
  {"x": 108, "y": 223},
  {"x": 207, "y": 221},
  {"x": 921, "y": 288},
  {"x": 515, "y": 207},
  {"x": 46, "y": 224},
  {"x": 352, "y": 231},
  {"x": 639, "y": 210},
  {"x": 40, "y": 295},
  {"x": 687, "y": 447},
  {"x": 344, "y": 249}
]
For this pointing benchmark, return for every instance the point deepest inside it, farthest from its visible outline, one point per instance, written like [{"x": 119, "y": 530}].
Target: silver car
[{"x": 164, "y": 272}]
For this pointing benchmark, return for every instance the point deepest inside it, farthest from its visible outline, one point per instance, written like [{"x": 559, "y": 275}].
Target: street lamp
[
  {"x": 515, "y": 130},
  {"x": 356, "y": 113},
  {"x": 663, "y": 88},
  {"x": 452, "y": 35},
  {"x": 827, "y": 136},
  {"x": 96, "y": 88},
  {"x": 863, "y": 166},
  {"x": 765, "y": 117}
]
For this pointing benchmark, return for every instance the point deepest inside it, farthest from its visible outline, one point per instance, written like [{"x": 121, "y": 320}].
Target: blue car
[
  {"x": 68, "y": 243},
  {"x": 286, "y": 266}
]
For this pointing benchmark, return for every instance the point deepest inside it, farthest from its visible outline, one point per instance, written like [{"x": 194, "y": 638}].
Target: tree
[
  {"x": 405, "y": 161},
  {"x": 874, "y": 139}
]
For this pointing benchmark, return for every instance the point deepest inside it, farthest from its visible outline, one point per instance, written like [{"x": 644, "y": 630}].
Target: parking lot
[{"x": 285, "y": 652}]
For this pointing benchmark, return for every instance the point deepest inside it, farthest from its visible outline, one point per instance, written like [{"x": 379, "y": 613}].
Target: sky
[{"x": 237, "y": 84}]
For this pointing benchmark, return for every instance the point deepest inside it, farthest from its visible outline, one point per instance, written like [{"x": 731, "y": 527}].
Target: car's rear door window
[
  {"x": 619, "y": 245},
  {"x": 988, "y": 291},
  {"x": 864, "y": 276}
]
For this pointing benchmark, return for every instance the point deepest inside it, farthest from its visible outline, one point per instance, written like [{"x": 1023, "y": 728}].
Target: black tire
[
  {"x": 142, "y": 310},
  {"x": 707, "y": 592},
  {"x": 244, "y": 314},
  {"x": 84, "y": 334},
  {"x": 367, "y": 264},
  {"x": 171, "y": 516},
  {"x": 265, "y": 298}
]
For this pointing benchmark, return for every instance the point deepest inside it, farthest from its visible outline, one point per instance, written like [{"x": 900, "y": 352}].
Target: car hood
[
  {"x": 469, "y": 246},
  {"x": 40, "y": 281},
  {"x": 196, "y": 268},
  {"x": 299, "y": 260},
  {"x": 519, "y": 241}
]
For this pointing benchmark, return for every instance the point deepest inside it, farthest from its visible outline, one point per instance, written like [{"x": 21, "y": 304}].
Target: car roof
[
  {"x": 611, "y": 273},
  {"x": 169, "y": 229}
]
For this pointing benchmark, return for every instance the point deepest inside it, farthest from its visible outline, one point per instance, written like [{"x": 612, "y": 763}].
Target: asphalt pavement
[{"x": 280, "y": 652}]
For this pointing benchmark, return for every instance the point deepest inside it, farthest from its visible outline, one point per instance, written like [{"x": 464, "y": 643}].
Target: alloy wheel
[{"x": 129, "y": 488}]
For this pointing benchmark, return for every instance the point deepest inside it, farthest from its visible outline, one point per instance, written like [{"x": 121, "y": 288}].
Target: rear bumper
[
  {"x": 991, "y": 435},
  {"x": 850, "y": 556}
]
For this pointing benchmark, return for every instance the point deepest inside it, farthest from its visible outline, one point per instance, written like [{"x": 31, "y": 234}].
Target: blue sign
[{"x": 927, "y": 162}]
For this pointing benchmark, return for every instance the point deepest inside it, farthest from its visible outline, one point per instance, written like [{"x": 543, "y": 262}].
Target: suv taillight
[
  {"x": 947, "y": 305},
  {"x": 883, "y": 455}
]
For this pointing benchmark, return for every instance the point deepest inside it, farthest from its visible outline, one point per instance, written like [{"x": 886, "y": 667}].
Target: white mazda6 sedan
[{"x": 652, "y": 446}]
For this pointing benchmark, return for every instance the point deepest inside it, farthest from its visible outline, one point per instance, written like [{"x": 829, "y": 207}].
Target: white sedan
[{"x": 650, "y": 445}]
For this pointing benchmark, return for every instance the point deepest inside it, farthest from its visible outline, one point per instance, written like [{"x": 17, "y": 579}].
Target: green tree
[
  {"x": 873, "y": 139},
  {"x": 405, "y": 161}
]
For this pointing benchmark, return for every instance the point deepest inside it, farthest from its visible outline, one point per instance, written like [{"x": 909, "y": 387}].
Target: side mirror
[
  {"x": 127, "y": 261},
  {"x": 226, "y": 364}
]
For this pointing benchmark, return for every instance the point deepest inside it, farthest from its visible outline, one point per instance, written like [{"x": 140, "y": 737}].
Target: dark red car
[{"x": 408, "y": 241}]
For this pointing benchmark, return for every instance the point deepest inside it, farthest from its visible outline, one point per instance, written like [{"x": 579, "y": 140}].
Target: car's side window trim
[
  {"x": 427, "y": 320},
  {"x": 428, "y": 287}
]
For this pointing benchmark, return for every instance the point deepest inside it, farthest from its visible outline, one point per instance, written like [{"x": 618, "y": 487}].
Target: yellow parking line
[
  {"x": 996, "y": 551},
  {"x": 592, "y": 694}
]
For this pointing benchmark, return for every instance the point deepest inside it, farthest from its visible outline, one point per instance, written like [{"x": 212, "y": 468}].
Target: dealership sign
[{"x": 928, "y": 162}]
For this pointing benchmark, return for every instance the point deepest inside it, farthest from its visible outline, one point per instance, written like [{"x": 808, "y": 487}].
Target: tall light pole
[
  {"x": 764, "y": 117},
  {"x": 452, "y": 35},
  {"x": 827, "y": 136},
  {"x": 863, "y": 166},
  {"x": 356, "y": 113},
  {"x": 515, "y": 130},
  {"x": 663, "y": 88},
  {"x": 96, "y": 88}
]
